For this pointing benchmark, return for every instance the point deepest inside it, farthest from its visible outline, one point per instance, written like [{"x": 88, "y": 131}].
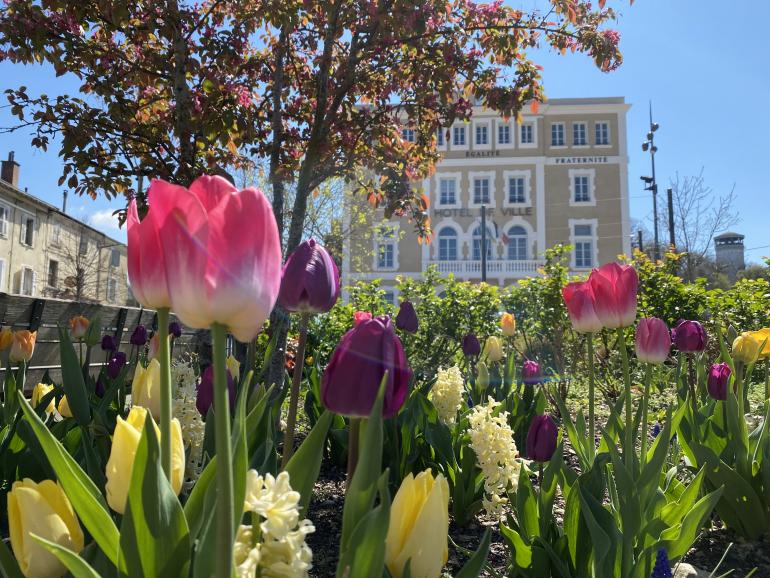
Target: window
[
  {"x": 557, "y": 134},
  {"x": 583, "y": 239},
  {"x": 447, "y": 192},
  {"x": 582, "y": 187},
  {"x": 112, "y": 290},
  {"x": 482, "y": 134},
  {"x": 517, "y": 243},
  {"x": 53, "y": 273},
  {"x": 56, "y": 233},
  {"x": 503, "y": 134},
  {"x": 386, "y": 247},
  {"x": 440, "y": 140},
  {"x": 517, "y": 190},
  {"x": 2, "y": 274},
  {"x": 408, "y": 134},
  {"x": 527, "y": 133},
  {"x": 27, "y": 230},
  {"x": 83, "y": 249},
  {"x": 27, "y": 281},
  {"x": 115, "y": 258},
  {"x": 579, "y": 134},
  {"x": 390, "y": 296},
  {"x": 477, "y": 243},
  {"x": 458, "y": 136},
  {"x": 5, "y": 214},
  {"x": 602, "y": 133},
  {"x": 481, "y": 191},
  {"x": 447, "y": 244}
]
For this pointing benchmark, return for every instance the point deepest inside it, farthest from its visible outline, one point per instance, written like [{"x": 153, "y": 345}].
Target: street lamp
[{"x": 649, "y": 146}]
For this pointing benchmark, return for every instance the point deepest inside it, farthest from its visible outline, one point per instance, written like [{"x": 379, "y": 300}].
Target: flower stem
[
  {"x": 225, "y": 513},
  {"x": 591, "y": 396},
  {"x": 628, "y": 446},
  {"x": 645, "y": 402},
  {"x": 355, "y": 424},
  {"x": 164, "y": 353},
  {"x": 299, "y": 362}
]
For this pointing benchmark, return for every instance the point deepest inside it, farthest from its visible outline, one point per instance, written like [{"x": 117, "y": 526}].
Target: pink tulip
[
  {"x": 220, "y": 253},
  {"x": 614, "y": 287},
  {"x": 579, "y": 299},
  {"x": 653, "y": 340}
]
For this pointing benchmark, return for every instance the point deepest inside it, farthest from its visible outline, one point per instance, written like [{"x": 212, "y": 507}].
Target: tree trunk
[{"x": 181, "y": 92}]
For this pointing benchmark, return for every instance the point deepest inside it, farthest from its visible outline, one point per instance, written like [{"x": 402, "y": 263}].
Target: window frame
[
  {"x": 460, "y": 147},
  {"x": 607, "y": 144},
  {"x": 24, "y": 269},
  {"x": 455, "y": 236},
  {"x": 527, "y": 176},
  {"x": 591, "y": 174},
  {"x": 441, "y": 134},
  {"x": 585, "y": 142},
  {"x": 500, "y": 124},
  {"x": 4, "y": 221},
  {"x": 490, "y": 176},
  {"x": 439, "y": 176},
  {"x": 486, "y": 125},
  {"x": 528, "y": 145},
  {"x": 563, "y": 144},
  {"x": 510, "y": 237},
  {"x": 381, "y": 239},
  {"x": 115, "y": 252},
  {"x": 575, "y": 239},
  {"x": 112, "y": 290},
  {"x": 24, "y": 221},
  {"x": 408, "y": 131},
  {"x": 55, "y": 284}
]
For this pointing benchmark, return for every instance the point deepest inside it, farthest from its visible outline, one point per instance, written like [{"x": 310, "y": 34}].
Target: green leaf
[
  {"x": 475, "y": 563},
  {"x": 194, "y": 508},
  {"x": 605, "y": 537},
  {"x": 154, "y": 536},
  {"x": 526, "y": 507},
  {"x": 521, "y": 550},
  {"x": 72, "y": 380},
  {"x": 78, "y": 567},
  {"x": 85, "y": 497},
  {"x": 8, "y": 563},
  {"x": 679, "y": 538},
  {"x": 304, "y": 465}
]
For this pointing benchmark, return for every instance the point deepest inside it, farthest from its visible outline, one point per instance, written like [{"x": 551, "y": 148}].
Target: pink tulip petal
[
  {"x": 146, "y": 266},
  {"x": 210, "y": 190}
]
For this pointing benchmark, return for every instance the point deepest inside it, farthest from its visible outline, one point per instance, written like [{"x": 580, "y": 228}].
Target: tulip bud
[
  {"x": 116, "y": 364},
  {"x": 154, "y": 346},
  {"x": 493, "y": 349},
  {"x": 361, "y": 316},
  {"x": 108, "y": 343},
  {"x": 234, "y": 367},
  {"x": 471, "y": 346},
  {"x": 139, "y": 335},
  {"x": 653, "y": 340},
  {"x": 483, "y": 377},
  {"x": 406, "y": 320},
  {"x": 6, "y": 338},
  {"x": 530, "y": 372},
  {"x": 64, "y": 407},
  {"x": 419, "y": 526},
  {"x": 205, "y": 397},
  {"x": 310, "y": 280},
  {"x": 23, "y": 346},
  {"x": 718, "y": 379},
  {"x": 614, "y": 290},
  {"x": 39, "y": 392},
  {"x": 125, "y": 442},
  {"x": 579, "y": 300},
  {"x": 44, "y": 510},
  {"x": 78, "y": 327},
  {"x": 763, "y": 338},
  {"x": 746, "y": 348},
  {"x": 174, "y": 330},
  {"x": 145, "y": 387},
  {"x": 508, "y": 324},
  {"x": 689, "y": 336},
  {"x": 100, "y": 390},
  {"x": 541, "y": 438},
  {"x": 359, "y": 362}
]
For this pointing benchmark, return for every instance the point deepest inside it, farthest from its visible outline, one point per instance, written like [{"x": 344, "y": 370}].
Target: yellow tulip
[
  {"x": 508, "y": 324},
  {"x": 64, "y": 407},
  {"x": 419, "y": 524},
  {"x": 39, "y": 392},
  {"x": 235, "y": 368},
  {"x": 6, "y": 338},
  {"x": 78, "y": 327},
  {"x": 763, "y": 338},
  {"x": 43, "y": 510},
  {"x": 493, "y": 349},
  {"x": 23, "y": 345},
  {"x": 145, "y": 387},
  {"x": 746, "y": 348},
  {"x": 125, "y": 441}
]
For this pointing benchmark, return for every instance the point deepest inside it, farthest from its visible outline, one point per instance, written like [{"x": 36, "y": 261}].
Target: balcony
[{"x": 495, "y": 268}]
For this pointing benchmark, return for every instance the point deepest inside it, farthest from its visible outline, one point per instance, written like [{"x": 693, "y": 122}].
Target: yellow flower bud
[
  {"x": 125, "y": 442},
  {"x": 145, "y": 387},
  {"x": 23, "y": 345},
  {"x": 493, "y": 349},
  {"x": 39, "y": 392},
  {"x": 763, "y": 338},
  {"x": 483, "y": 375},
  {"x": 78, "y": 327},
  {"x": 235, "y": 368},
  {"x": 746, "y": 348},
  {"x": 43, "y": 510},
  {"x": 6, "y": 338},
  {"x": 419, "y": 524},
  {"x": 64, "y": 407},
  {"x": 508, "y": 324}
]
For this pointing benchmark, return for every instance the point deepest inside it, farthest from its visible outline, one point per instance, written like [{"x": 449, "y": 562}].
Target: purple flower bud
[
  {"x": 205, "y": 398},
  {"x": 530, "y": 373},
  {"x": 653, "y": 340},
  {"x": 175, "y": 330},
  {"x": 363, "y": 355},
  {"x": 718, "y": 380},
  {"x": 406, "y": 320},
  {"x": 471, "y": 346},
  {"x": 100, "y": 389},
  {"x": 656, "y": 429},
  {"x": 139, "y": 336},
  {"x": 310, "y": 282},
  {"x": 689, "y": 336},
  {"x": 108, "y": 343},
  {"x": 541, "y": 438},
  {"x": 116, "y": 364}
]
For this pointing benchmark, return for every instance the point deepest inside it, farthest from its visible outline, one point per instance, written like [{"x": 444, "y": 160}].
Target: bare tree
[{"x": 77, "y": 274}]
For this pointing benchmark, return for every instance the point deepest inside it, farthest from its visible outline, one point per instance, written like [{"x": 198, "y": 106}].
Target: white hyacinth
[
  {"x": 184, "y": 381},
  {"x": 447, "y": 394}
]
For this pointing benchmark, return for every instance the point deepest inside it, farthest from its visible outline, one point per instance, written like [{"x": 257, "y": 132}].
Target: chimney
[
  {"x": 9, "y": 171},
  {"x": 64, "y": 202}
]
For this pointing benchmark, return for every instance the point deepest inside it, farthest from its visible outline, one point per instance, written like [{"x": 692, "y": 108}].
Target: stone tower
[{"x": 729, "y": 251}]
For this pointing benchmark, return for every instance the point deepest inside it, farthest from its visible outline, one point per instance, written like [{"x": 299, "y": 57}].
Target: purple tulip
[
  {"x": 310, "y": 282},
  {"x": 530, "y": 373},
  {"x": 116, "y": 364},
  {"x": 175, "y": 330},
  {"x": 541, "y": 438},
  {"x": 108, "y": 343},
  {"x": 100, "y": 389},
  {"x": 719, "y": 378},
  {"x": 205, "y": 398},
  {"x": 653, "y": 340},
  {"x": 363, "y": 355},
  {"x": 139, "y": 336},
  {"x": 406, "y": 320},
  {"x": 689, "y": 336},
  {"x": 471, "y": 346}
]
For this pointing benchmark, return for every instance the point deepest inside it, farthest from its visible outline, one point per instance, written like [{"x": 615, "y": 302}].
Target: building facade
[
  {"x": 559, "y": 176},
  {"x": 46, "y": 253}
]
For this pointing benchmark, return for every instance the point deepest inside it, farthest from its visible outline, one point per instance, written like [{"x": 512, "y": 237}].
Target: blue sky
[{"x": 705, "y": 68}]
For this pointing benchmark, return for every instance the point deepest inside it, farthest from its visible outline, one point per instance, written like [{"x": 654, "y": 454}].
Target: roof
[{"x": 729, "y": 235}]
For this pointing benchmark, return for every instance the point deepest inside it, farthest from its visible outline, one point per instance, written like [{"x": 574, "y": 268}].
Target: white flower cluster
[
  {"x": 447, "y": 394},
  {"x": 184, "y": 378},
  {"x": 492, "y": 441},
  {"x": 276, "y": 547}
]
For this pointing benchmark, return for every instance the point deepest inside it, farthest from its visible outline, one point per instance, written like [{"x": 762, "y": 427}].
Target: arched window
[
  {"x": 447, "y": 244},
  {"x": 517, "y": 243},
  {"x": 477, "y": 243}
]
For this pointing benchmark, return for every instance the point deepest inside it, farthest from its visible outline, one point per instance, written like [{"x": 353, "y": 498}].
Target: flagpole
[{"x": 483, "y": 243}]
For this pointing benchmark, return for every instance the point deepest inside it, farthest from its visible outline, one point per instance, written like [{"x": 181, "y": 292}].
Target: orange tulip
[
  {"x": 78, "y": 327},
  {"x": 23, "y": 345}
]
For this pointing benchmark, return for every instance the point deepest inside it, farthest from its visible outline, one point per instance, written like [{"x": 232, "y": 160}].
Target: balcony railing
[{"x": 495, "y": 268}]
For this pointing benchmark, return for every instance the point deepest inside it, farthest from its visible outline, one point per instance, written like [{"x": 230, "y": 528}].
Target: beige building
[
  {"x": 559, "y": 176},
  {"x": 46, "y": 253}
]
